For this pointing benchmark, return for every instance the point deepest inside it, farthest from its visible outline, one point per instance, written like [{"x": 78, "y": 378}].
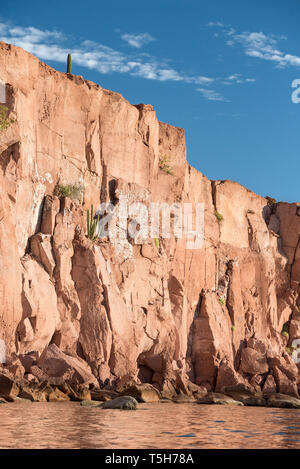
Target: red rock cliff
[{"x": 155, "y": 312}]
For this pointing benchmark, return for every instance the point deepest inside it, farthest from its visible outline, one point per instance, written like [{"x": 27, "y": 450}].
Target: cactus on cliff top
[{"x": 69, "y": 63}]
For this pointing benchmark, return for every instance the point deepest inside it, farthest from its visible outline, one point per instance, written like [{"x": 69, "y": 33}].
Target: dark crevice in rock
[
  {"x": 10, "y": 155},
  {"x": 56, "y": 338},
  {"x": 112, "y": 185},
  {"x": 103, "y": 190}
]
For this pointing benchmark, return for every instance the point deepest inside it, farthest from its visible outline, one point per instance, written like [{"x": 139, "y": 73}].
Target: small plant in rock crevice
[
  {"x": 219, "y": 216},
  {"x": 164, "y": 164},
  {"x": 156, "y": 241},
  {"x": 74, "y": 191},
  {"x": 285, "y": 327},
  {"x": 5, "y": 122},
  {"x": 233, "y": 327},
  {"x": 222, "y": 301},
  {"x": 271, "y": 200},
  {"x": 285, "y": 330}
]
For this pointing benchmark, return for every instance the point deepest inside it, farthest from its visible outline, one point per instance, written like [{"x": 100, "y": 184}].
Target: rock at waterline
[
  {"x": 21, "y": 400},
  {"x": 103, "y": 395},
  {"x": 8, "y": 387},
  {"x": 283, "y": 400},
  {"x": 122, "y": 402},
  {"x": 142, "y": 392},
  {"x": 57, "y": 396},
  {"x": 248, "y": 398},
  {"x": 87, "y": 403},
  {"x": 218, "y": 398},
  {"x": 183, "y": 399}
]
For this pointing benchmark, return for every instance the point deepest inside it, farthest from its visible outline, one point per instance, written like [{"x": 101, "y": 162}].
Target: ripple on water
[{"x": 69, "y": 425}]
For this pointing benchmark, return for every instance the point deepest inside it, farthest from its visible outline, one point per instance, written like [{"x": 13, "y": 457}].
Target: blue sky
[{"x": 222, "y": 70}]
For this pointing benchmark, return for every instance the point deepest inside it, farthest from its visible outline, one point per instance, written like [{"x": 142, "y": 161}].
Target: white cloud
[
  {"x": 169, "y": 74},
  {"x": 3, "y": 28},
  {"x": 137, "y": 40},
  {"x": 33, "y": 34},
  {"x": 202, "y": 80},
  {"x": 264, "y": 47},
  {"x": 260, "y": 45},
  {"x": 215, "y": 23},
  {"x": 51, "y": 46},
  {"x": 211, "y": 95},
  {"x": 237, "y": 78}
]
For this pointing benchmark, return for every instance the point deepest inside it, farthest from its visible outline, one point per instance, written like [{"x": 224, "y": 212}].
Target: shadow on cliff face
[
  {"x": 272, "y": 220},
  {"x": 273, "y": 223},
  {"x": 10, "y": 97},
  {"x": 191, "y": 373},
  {"x": 150, "y": 367},
  {"x": 9, "y": 161},
  {"x": 145, "y": 374},
  {"x": 267, "y": 212},
  {"x": 112, "y": 191}
]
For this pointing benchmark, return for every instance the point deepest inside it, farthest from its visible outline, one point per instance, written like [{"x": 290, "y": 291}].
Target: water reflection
[{"x": 68, "y": 425}]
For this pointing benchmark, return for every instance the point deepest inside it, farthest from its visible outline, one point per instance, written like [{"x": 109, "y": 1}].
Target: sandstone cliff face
[{"x": 147, "y": 311}]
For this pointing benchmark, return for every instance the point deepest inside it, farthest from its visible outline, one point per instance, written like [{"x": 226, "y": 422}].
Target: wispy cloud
[
  {"x": 237, "y": 78},
  {"x": 216, "y": 23},
  {"x": 137, "y": 40},
  {"x": 54, "y": 46},
  {"x": 49, "y": 45},
  {"x": 259, "y": 45},
  {"x": 212, "y": 95},
  {"x": 263, "y": 46}
]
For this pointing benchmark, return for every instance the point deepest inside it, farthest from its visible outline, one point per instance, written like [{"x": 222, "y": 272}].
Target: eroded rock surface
[{"x": 149, "y": 311}]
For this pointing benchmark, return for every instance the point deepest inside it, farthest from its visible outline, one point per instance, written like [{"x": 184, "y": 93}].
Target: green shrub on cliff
[
  {"x": 285, "y": 330},
  {"x": 271, "y": 200},
  {"x": 5, "y": 121},
  {"x": 285, "y": 327},
  {"x": 164, "y": 164},
  {"x": 74, "y": 191},
  {"x": 219, "y": 216}
]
